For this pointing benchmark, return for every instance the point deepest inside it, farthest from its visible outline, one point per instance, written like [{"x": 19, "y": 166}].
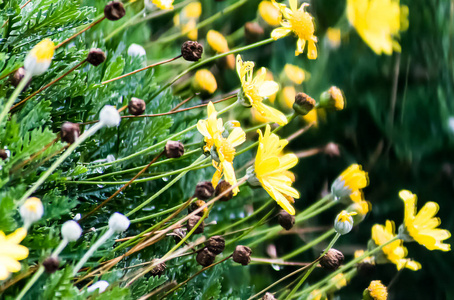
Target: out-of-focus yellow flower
[
  {"x": 192, "y": 10},
  {"x": 163, "y": 4},
  {"x": 367, "y": 260},
  {"x": 316, "y": 295},
  {"x": 332, "y": 99},
  {"x": 269, "y": 13},
  {"x": 376, "y": 290},
  {"x": 188, "y": 18},
  {"x": 339, "y": 281},
  {"x": 257, "y": 117},
  {"x": 311, "y": 117},
  {"x": 269, "y": 77},
  {"x": 349, "y": 184},
  {"x": 288, "y": 96},
  {"x": 255, "y": 89},
  {"x": 378, "y": 22},
  {"x": 334, "y": 37},
  {"x": 38, "y": 60},
  {"x": 205, "y": 81},
  {"x": 301, "y": 23},
  {"x": 211, "y": 128},
  {"x": 395, "y": 252},
  {"x": 11, "y": 252},
  {"x": 219, "y": 44},
  {"x": 295, "y": 73},
  {"x": 271, "y": 169},
  {"x": 422, "y": 227}
]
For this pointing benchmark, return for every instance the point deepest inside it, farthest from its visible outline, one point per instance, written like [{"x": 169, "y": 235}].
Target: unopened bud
[
  {"x": 343, "y": 223},
  {"x": 303, "y": 104},
  {"x": 96, "y": 57},
  {"x": 109, "y": 116},
  {"x": 375, "y": 291},
  {"x": 191, "y": 51},
  {"x": 332, "y": 259},
  {"x": 268, "y": 296},
  {"x": 174, "y": 149},
  {"x": 221, "y": 187},
  {"x": 17, "y": 76},
  {"x": 204, "y": 190},
  {"x": 253, "y": 32},
  {"x": 3, "y": 154},
  {"x": 197, "y": 204},
  {"x": 286, "y": 220},
  {"x": 31, "y": 211},
  {"x": 51, "y": 264},
  {"x": 70, "y": 132},
  {"x": 332, "y": 149},
  {"x": 215, "y": 244},
  {"x": 332, "y": 99},
  {"x": 158, "y": 270},
  {"x": 192, "y": 222},
  {"x": 114, "y": 11},
  {"x": 118, "y": 222},
  {"x": 71, "y": 231},
  {"x": 136, "y": 106},
  {"x": 242, "y": 255},
  {"x": 205, "y": 257}
]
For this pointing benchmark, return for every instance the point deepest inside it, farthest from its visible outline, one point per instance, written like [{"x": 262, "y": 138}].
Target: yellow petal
[
  {"x": 268, "y": 88},
  {"x": 10, "y": 264},
  {"x": 280, "y": 32}
]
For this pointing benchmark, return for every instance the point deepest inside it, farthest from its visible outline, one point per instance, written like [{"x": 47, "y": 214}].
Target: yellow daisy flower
[
  {"x": 38, "y": 60},
  {"x": 163, "y": 4},
  {"x": 255, "y": 89},
  {"x": 188, "y": 18},
  {"x": 288, "y": 96},
  {"x": 349, "y": 184},
  {"x": 219, "y": 44},
  {"x": 271, "y": 169},
  {"x": 376, "y": 290},
  {"x": 367, "y": 260},
  {"x": 339, "y": 281},
  {"x": 269, "y": 13},
  {"x": 311, "y": 117},
  {"x": 422, "y": 227},
  {"x": 211, "y": 128},
  {"x": 301, "y": 23},
  {"x": 294, "y": 73},
  {"x": 11, "y": 252},
  {"x": 334, "y": 37},
  {"x": 394, "y": 252},
  {"x": 378, "y": 22}
]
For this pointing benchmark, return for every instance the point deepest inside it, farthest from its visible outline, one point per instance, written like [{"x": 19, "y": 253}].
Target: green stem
[
  {"x": 54, "y": 166},
  {"x": 14, "y": 95},
  {"x": 309, "y": 245},
  {"x": 262, "y": 221},
  {"x": 333, "y": 241},
  {"x": 124, "y": 25}
]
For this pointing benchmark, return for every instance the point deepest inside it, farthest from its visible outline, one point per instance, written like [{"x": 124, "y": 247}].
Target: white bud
[
  {"x": 77, "y": 217},
  {"x": 31, "y": 211},
  {"x": 118, "y": 222},
  {"x": 343, "y": 223},
  {"x": 101, "y": 286},
  {"x": 136, "y": 50},
  {"x": 39, "y": 58},
  {"x": 71, "y": 231},
  {"x": 109, "y": 116}
]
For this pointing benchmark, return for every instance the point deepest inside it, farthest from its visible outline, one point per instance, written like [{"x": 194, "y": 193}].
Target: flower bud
[
  {"x": 332, "y": 99},
  {"x": 136, "y": 106},
  {"x": 192, "y": 221},
  {"x": 3, "y": 154},
  {"x": 101, "y": 286},
  {"x": 205, "y": 257},
  {"x": 118, "y": 222},
  {"x": 253, "y": 32},
  {"x": 136, "y": 50},
  {"x": 114, "y": 11},
  {"x": 38, "y": 60},
  {"x": 221, "y": 187},
  {"x": 204, "y": 82},
  {"x": 31, "y": 211},
  {"x": 17, "y": 76},
  {"x": 332, "y": 259},
  {"x": 375, "y": 291},
  {"x": 215, "y": 244},
  {"x": 344, "y": 222},
  {"x": 268, "y": 296},
  {"x": 174, "y": 149},
  {"x": 286, "y": 220},
  {"x": 303, "y": 104},
  {"x": 71, "y": 231},
  {"x": 331, "y": 149},
  {"x": 51, "y": 265},
  {"x": 109, "y": 116},
  {"x": 195, "y": 205},
  {"x": 70, "y": 132},
  {"x": 191, "y": 51},
  {"x": 242, "y": 255},
  {"x": 204, "y": 190},
  {"x": 158, "y": 270},
  {"x": 96, "y": 57}
]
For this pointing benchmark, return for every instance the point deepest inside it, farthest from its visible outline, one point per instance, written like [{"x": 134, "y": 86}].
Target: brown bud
[
  {"x": 70, "y": 132},
  {"x": 242, "y": 255},
  {"x": 3, "y": 154},
  {"x": 17, "y": 76},
  {"x": 365, "y": 269},
  {"x": 220, "y": 188},
  {"x": 215, "y": 244},
  {"x": 136, "y": 106},
  {"x": 191, "y": 51},
  {"x": 204, "y": 190},
  {"x": 253, "y": 32},
  {"x": 178, "y": 234},
  {"x": 192, "y": 222},
  {"x": 205, "y": 257},
  {"x": 197, "y": 204},
  {"x": 331, "y": 149},
  {"x": 96, "y": 57},
  {"x": 286, "y": 220},
  {"x": 303, "y": 103},
  {"x": 174, "y": 149},
  {"x": 51, "y": 264},
  {"x": 114, "y": 11},
  {"x": 332, "y": 259},
  {"x": 158, "y": 270},
  {"x": 268, "y": 296}
]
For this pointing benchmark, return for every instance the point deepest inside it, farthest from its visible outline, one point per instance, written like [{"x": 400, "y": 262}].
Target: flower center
[{"x": 302, "y": 24}]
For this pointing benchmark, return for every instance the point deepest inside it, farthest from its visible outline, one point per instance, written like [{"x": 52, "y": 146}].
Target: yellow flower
[
  {"x": 288, "y": 96},
  {"x": 271, "y": 169},
  {"x": 219, "y": 44},
  {"x": 255, "y": 89},
  {"x": 378, "y": 22},
  {"x": 301, "y": 23},
  {"x": 422, "y": 227},
  {"x": 270, "y": 13},
  {"x": 192, "y": 10},
  {"x": 349, "y": 184},
  {"x": 11, "y": 252},
  {"x": 339, "y": 281},
  {"x": 311, "y": 117},
  {"x": 38, "y": 60},
  {"x": 294, "y": 73},
  {"x": 377, "y": 291},
  {"x": 163, "y": 4},
  {"x": 394, "y": 252},
  {"x": 334, "y": 37},
  {"x": 367, "y": 260},
  {"x": 188, "y": 18},
  {"x": 205, "y": 81},
  {"x": 316, "y": 295},
  {"x": 211, "y": 128}
]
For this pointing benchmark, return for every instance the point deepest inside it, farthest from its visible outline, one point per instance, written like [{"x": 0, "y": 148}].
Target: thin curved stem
[
  {"x": 80, "y": 32},
  {"x": 14, "y": 95}
]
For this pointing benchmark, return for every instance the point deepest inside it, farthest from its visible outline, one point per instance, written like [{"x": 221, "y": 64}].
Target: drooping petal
[{"x": 280, "y": 32}]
